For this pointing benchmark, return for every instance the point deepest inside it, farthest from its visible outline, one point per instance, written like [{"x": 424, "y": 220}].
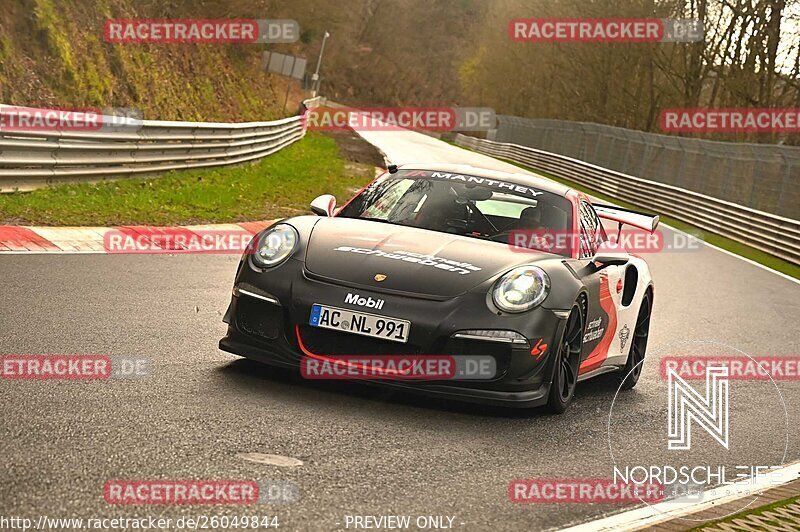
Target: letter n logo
[{"x": 686, "y": 405}]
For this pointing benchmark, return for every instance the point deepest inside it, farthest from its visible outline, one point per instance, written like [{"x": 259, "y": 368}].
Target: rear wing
[{"x": 647, "y": 222}]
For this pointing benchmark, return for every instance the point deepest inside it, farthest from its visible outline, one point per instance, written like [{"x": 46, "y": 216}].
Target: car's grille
[
  {"x": 258, "y": 318},
  {"x": 334, "y": 343},
  {"x": 500, "y": 352},
  {"x": 468, "y": 347}
]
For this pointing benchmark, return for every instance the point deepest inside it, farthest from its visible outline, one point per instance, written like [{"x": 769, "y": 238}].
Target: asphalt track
[{"x": 366, "y": 451}]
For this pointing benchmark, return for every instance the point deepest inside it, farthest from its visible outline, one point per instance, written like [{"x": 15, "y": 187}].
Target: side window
[{"x": 591, "y": 229}]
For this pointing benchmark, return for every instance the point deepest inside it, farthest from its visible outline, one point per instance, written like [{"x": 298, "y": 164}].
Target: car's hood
[{"x": 415, "y": 261}]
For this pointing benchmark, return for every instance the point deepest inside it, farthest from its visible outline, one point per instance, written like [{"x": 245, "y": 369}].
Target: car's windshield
[{"x": 464, "y": 205}]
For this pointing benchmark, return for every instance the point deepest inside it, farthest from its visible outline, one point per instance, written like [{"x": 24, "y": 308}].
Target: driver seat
[{"x": 529, "y": 218}]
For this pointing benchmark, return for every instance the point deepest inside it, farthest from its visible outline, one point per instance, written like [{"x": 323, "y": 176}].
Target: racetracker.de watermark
[
  {"x": 233, "y": 31},
  {"x": 397, "y": 367},
  {"x": 785, "y": 368},
  {"x": 631, "y": 30},
  {"x": 582, "y": 491},
  {"x": 177, "y": 492},
  {"x": 398, "y": 118},
  {"x": 148, "y": 240},
  {"x": 631, "y": 240},
  {"x": 31, "y": 119},
  {"x": 142, "y": 522},
  {"x": 72, "y": 367},
  {"x": 705, "y": 120}
]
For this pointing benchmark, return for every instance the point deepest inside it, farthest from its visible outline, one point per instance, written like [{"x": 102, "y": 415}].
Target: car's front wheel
[{"x": 567, "y": 359}]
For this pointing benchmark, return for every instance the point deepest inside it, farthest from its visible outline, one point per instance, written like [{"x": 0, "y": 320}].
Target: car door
[{"x": 600, "y": 339}]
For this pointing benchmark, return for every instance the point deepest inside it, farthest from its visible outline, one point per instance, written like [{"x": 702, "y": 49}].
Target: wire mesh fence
[
  {"x": 760, "y": 176},
  {"x": 765, "y": 231}
]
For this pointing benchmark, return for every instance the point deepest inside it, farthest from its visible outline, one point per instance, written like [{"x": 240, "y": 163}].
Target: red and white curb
[
  {"x": 17, "y": 239},
  {"x": 24, "y": 239}
]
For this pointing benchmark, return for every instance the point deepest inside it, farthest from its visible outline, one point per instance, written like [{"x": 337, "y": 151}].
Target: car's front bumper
[{"x": 269, "y": 314}]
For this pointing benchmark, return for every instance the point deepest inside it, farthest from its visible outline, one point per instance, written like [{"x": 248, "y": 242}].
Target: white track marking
[
  {"x": 647, "y": 516},
  {"x": 732, "y": 254}
]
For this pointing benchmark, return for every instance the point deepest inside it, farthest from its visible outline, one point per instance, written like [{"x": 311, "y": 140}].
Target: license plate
[{"x": 340, "y": 319}]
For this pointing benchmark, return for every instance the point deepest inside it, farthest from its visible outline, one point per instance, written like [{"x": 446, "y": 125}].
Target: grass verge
[
  {"x": 733, "y": 246},
  {"x": 279, "y": 185},
  {"x": 759, "y": 511}
]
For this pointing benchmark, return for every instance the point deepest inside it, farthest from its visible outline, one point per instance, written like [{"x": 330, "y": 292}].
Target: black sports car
[{"x": 431, "y": 261}]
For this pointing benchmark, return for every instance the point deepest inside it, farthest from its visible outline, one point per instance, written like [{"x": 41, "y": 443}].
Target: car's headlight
[
  {"x": 275, "y": 245},
  {"x": 521, "y": 289}
]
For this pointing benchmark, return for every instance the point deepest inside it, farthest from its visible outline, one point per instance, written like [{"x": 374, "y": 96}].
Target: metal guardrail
[
  {"x": 32, "y": 157},
  {"x": 767, "y": 232},
  {"x": 759, "y": 176}
]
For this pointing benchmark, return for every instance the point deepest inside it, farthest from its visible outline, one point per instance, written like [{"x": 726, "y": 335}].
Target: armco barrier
[
  {"x": 759, "y": 176},
  {"x": 34, "y": 158},
  {"x": 764, "y": 231}
]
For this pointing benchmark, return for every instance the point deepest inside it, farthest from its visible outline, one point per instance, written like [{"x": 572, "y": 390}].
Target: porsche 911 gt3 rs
[{"x": 427, "y": 261}]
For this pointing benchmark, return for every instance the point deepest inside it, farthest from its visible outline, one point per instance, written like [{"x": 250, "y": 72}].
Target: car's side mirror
[
  {"x": 324, "y": 205},
  {"x": 610, "y": 255}
]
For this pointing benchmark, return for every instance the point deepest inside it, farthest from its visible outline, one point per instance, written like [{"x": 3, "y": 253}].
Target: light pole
[{"x": 315, "y": 77}]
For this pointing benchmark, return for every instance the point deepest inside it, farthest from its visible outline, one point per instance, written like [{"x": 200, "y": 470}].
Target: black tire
[
  {"x": 567, "y": 359},
  {"x": 630, "y": 374}
]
